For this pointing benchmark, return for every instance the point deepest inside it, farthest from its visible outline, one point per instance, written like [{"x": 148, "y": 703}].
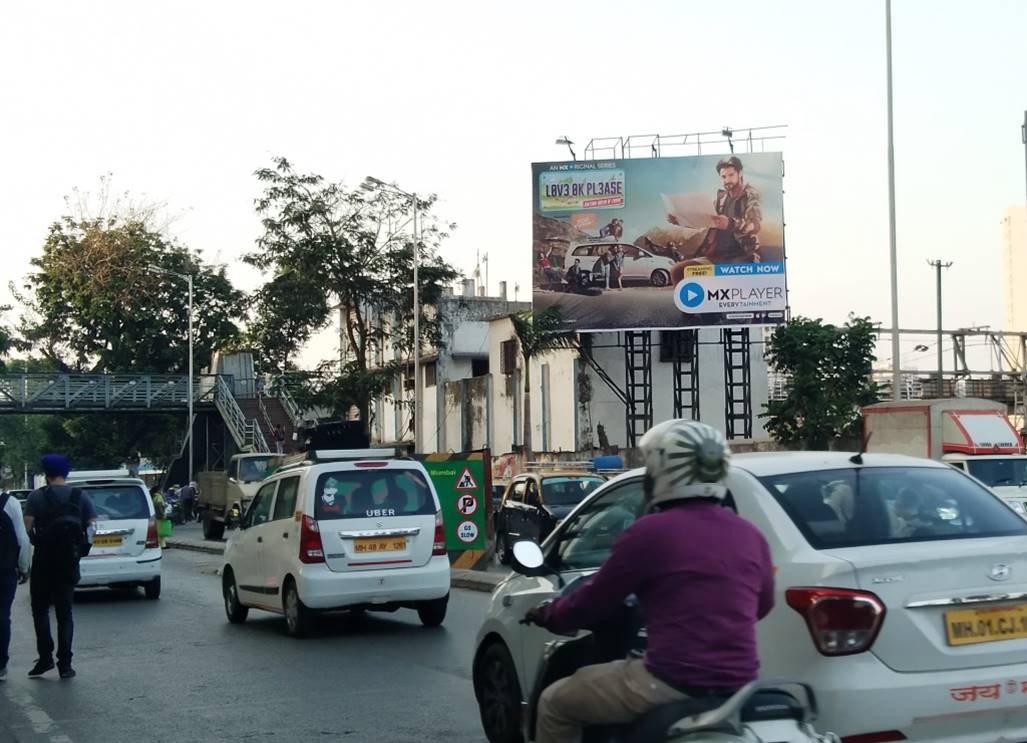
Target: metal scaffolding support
[
  {"x": 638, "y": 387},
  {"x": 737, "y": 383},
  {"x": 683, "y": 348}
]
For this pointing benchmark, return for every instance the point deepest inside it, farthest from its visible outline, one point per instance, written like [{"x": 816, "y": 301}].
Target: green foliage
[
  {"x": 289, "y": 309},
  {"x": 94, "y": 306},
  {"x": 829, "y": 370},
  {"x": 354, "y": 249}
]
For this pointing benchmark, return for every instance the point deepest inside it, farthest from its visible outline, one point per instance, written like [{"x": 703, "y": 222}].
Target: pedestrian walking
[
  {"x": 187, "y": 500},
  {"x": 14, "y": 568},
  {"x": 160, "y": 509},
  {"x": 278, "y": 434},
  {"x": 60, "y": 521}
]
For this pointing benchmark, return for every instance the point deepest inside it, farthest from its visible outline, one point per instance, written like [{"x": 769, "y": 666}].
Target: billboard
[{"x": 662, "y": 243}]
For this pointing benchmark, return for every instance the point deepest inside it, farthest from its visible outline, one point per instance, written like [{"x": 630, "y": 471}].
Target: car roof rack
[
  {"x": 558, "y": 466},
  {"x": 320, "y": 456}
]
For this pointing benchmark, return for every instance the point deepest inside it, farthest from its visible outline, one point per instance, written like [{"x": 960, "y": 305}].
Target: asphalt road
[{"x": 175, "y": 670}]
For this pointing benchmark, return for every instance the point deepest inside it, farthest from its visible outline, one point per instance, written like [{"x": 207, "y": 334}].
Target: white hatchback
[
  {"x": 125, "y": 551},
  {"x": 901, "y": 596},
  {"x": 355, "y": 530}
]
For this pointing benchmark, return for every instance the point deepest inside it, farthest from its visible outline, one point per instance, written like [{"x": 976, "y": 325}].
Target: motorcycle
[
  {"x": 778, "y": 710},
  {"x": 173, "y": 509}
]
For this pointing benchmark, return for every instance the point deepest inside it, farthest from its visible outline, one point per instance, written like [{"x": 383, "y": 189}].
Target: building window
[
  {"x": 479, "y": 367},
  {"x": 508, "y": 357},
  {"x": 429, "y": 374}
]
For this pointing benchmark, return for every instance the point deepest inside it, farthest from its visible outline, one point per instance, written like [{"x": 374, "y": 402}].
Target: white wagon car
[
  {"x": 125, "y": 551},
  {"x": 344, "y": 529},
  {"x": 901, "y": 595},
  {"x": 639, "y": 264}
]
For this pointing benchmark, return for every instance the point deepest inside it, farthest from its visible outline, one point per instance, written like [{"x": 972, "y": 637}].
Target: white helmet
[{"x": 684, "y": 459}]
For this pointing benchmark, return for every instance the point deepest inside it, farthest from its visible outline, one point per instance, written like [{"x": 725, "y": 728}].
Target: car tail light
[
  {"x": 841, "y": 621},
  {"x": 151, "y": 534},
  {"x": 372, "y": 464},
  {"x": 439, "y": 547},
  {"x": 883, "y": 737},
  {"x": 311, "y": 549}
]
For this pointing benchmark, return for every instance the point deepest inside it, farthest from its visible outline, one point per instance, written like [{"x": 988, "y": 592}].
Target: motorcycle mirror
[{"x": 528, "y": 555}]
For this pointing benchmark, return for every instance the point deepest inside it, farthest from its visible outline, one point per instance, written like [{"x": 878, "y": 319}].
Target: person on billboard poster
[
  {"x": 552, "y": 274},
  {"x": 617, "y": 268},
  {"x": 734, "y": 238},
  {"x": 614, "y": 229}
]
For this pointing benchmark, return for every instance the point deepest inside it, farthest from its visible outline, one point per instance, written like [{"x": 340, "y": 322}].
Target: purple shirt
[{"x": 703, "y": 577}]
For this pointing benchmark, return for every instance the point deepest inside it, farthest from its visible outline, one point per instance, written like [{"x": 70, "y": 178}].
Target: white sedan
[{"x": 901, "y": 596}]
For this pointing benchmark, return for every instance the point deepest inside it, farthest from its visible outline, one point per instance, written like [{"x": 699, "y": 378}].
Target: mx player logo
[{"x": 688, "y": 295}]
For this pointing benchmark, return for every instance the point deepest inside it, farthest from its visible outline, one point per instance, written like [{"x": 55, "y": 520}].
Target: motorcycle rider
[{"x": 703, "y": 577}]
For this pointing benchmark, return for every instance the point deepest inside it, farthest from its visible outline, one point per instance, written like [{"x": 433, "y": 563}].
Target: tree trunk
[{"x": 527, "y": 410}]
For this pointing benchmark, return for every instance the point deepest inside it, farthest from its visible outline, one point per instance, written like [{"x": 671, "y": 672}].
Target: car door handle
[{"x": 285, "y": 535}]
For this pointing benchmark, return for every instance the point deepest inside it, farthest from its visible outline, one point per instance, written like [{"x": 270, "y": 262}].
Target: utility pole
[
  {"x": 896, "y": 374},
  {"x": 938, "y": 265}
]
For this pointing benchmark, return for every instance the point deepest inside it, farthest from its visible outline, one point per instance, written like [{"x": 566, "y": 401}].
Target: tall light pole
[
  {"x": 370, "y": 183},
  {"x": 189, "y": 280},
  {"x": 938, "y": 265},
  {"x": 896, "y": 374}
]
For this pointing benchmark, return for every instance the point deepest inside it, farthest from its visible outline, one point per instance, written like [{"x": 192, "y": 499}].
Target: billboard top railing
[{"x": 753, "y": 139}]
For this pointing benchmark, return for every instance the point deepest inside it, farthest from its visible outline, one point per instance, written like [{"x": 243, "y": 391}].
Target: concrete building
[
  {"x": 474, "y": 386},
  {"x": 1014, "y": 267}
]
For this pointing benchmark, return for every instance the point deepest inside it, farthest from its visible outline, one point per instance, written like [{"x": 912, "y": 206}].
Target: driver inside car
[{"x": 703, "y": 577}]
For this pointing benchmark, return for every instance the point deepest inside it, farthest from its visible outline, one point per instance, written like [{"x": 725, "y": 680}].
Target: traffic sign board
[
  {"x": 466, "y": 481},
  {"x": 467, "y": 532},
  {"x": 466, "y": 504}
]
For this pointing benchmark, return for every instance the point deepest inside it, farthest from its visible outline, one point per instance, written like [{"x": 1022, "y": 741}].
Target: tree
[
  {"x": 829, "y": 372},
  {"x": 538, "y": 333},
  {"x": 6, "y": 337},
  {"x": 288, "y": 310},
  {"x": 94, "y": 306},
  {"x": 353, "y": 249}
]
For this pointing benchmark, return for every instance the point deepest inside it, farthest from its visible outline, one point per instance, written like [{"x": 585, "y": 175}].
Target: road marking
[{"x": 42, "y": 723}]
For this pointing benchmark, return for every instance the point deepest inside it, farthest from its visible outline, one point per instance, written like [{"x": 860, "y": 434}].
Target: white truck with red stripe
[{"x": 971, "y": 434}]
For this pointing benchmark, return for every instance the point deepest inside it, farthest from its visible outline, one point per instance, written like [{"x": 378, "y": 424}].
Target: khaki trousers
[{"x": 608, "y": 693}]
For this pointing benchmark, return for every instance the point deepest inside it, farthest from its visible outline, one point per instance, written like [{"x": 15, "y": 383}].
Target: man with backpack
[
  {"x": 60, "y": 520},
  {"x": 14, "y": 568}
]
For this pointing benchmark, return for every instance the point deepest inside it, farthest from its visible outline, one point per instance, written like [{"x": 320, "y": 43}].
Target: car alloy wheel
[{"x": 499, "y": 696}]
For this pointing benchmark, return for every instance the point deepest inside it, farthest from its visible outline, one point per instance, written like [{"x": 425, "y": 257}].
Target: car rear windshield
[
  {"x": 372, "y": 493},
  {"x": 568, "y": 491},
  {"x": 885, "y": 505},
  {"x": 999, "y": 473},
  {"x": 117, "y": 502}
]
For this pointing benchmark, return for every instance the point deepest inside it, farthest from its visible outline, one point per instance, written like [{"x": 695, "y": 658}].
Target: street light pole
[
  {"x": 189, "y": 428},
  {"x": 938, "y": 265},
  {"x": 896, "y": 390},
  {"x": 370, "y": 183}
]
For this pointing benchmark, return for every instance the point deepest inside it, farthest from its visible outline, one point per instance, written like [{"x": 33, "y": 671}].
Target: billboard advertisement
[{"x": 662, "y": 243}]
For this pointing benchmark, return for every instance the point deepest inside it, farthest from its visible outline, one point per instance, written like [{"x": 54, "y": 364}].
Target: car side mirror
[{"x": 528, "y": 558}]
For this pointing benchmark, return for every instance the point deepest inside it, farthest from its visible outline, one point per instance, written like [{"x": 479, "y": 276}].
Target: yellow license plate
[
  {"x": 101, "y": 540},
  {"x": 971, "y": 626},
  {"x": 383, "y": 544}
]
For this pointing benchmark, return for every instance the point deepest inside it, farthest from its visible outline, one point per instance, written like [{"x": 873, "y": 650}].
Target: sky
[{"x": 182, "y": 101}]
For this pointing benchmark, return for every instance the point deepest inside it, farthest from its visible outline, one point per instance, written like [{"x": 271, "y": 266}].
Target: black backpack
[
  {"x": 61, "y": 540},
  {"x": 9, "y": 547}
]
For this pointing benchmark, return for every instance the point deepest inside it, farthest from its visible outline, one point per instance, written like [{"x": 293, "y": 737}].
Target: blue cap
[{"x": 56, "y": 465}]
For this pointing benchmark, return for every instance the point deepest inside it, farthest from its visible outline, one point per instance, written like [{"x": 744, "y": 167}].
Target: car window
[
  {"x": 999, "y": 473},
  {"x": 630, "y": 251},
  {"x": 362, "y": 494},
  {"x": 119, "y": 502},
  {"x": 884, "y": 505},
  {"x": 568, "y": 491},
  {"x": 589, "y": 534},
  {"x": 517, "y": 492},
  {"x": 233, "y": 469},
  {"x": 260, "y": 508},
  {"x": 285, "y": 505}
]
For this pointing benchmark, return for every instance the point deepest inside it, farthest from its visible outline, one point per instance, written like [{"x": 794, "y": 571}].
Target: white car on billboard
[
  {"x": 639, "y": 264},
  {"x": 901, "y": 595}
]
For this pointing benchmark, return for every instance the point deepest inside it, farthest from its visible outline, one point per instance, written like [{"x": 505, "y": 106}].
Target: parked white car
[
  {"x": 901, "y": 595},
  {"x": 356, "y": 530},
  {"x": 639, "y": 264},
  {"x": 125, "y": 551}
]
